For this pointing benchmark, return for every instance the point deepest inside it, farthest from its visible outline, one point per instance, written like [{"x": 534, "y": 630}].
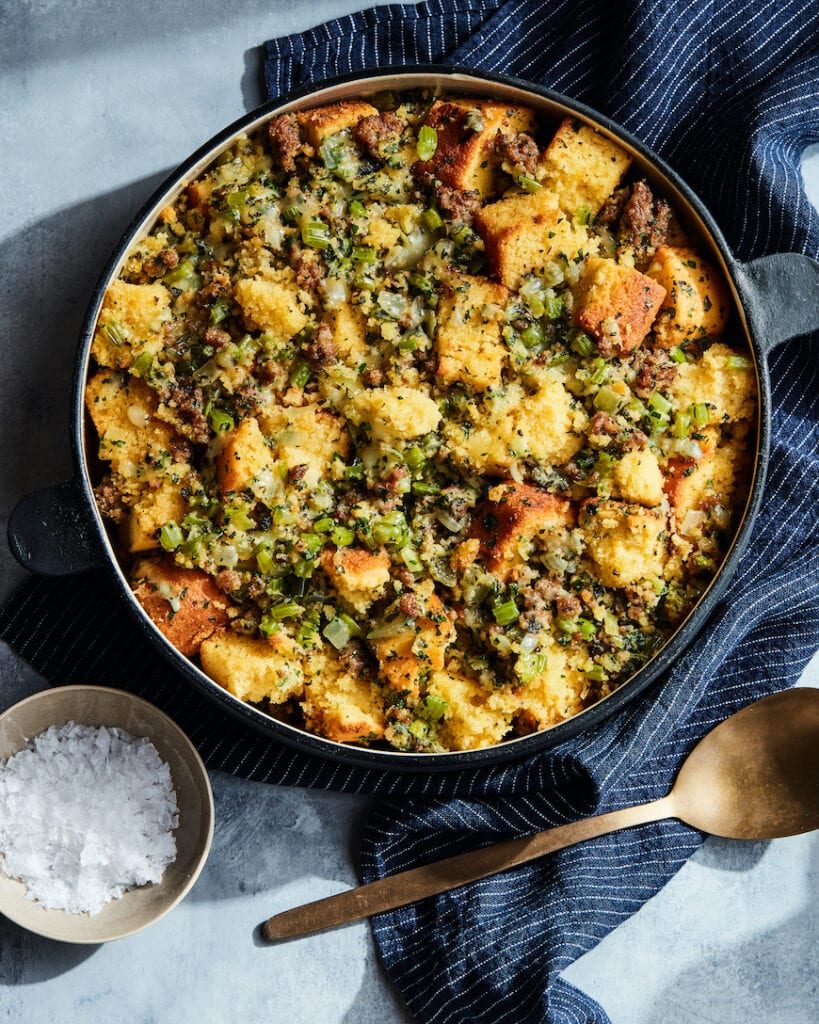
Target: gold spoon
[{"x": 755, "y": 776}]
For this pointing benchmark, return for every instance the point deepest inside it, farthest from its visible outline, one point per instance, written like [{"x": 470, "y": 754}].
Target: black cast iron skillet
[{"x": 59, "y": 530}]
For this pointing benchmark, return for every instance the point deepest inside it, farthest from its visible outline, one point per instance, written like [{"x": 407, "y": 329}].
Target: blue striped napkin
[
  {"x": 729, "y": 95},
  {"x": 730, "y": 98}
]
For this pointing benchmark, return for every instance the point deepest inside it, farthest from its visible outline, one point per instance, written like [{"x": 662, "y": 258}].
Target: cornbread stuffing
[{"x": 421, "y": 419}]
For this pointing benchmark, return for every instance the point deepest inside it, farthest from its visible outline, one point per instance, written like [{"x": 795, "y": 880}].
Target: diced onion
[
  {"x": 528, "y": 643},
  {"x": 335, "y": 292},
  {"x": 691, "y": 523},
  {"x": 137, "y": 415}
]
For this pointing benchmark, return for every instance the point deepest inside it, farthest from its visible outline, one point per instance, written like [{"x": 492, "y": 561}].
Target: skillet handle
[
  {"x": 781, "y": 296},
  {"x": 50, "y": 532}
]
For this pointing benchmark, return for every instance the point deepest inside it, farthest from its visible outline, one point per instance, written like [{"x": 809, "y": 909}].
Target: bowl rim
[
  {"x": 453, "y": 78},
  {"x": 187, "y": 751}
]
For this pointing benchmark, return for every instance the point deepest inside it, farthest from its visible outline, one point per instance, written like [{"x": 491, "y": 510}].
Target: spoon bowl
[{"x": 755, "y": 776}]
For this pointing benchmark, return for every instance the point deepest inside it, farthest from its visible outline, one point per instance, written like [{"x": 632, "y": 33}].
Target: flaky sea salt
[{"x": 85, "y": 815}]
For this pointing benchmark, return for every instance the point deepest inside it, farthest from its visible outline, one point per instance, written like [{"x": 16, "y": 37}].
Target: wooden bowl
[{"x": 97, "y": 706}]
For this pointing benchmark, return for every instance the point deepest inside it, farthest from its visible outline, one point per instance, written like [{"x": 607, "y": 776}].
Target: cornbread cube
[
  {"x": 625, "y": 541},
  {"x": 521, "y": 233},
  {"x": 131, "y": 438},
  {"x": 728, "y": 390},
  {"x": 270, "y": 306},
  {"x": 151, "y": 510},
  {"x": 697, "y": 302},
  {"x": 546, "y": 426},
  {"x": 616, "y": 304},
  {"x": 253, "y": 669},
  {"x": 468, "y": 336},
  {"x": 349, "y": 333},
  {"x": 638, "y": 478},
  {"x": 465, "y": 156},
  {"x": 396, "y": 413},
  {"x": 130, "y": 323},
  {"x": 407, "y": 659},
  {"x": 514, "y": 513},
  {"x": 184, "y": 604},
  {"x": 582, "y": 167},
  {"x": 468, "y": 722},
  {"x": 305, "y": 436},
  {"x": 342, "y": 707},
  {"x": 382, "y": 235},
  {"x": 322, "y": 122},
  {"x": 243, "y": 458},
  {"x": 556, "y": 693},
  {"x": 694, "y": 484},
  {"x": 357, "y": 575}
]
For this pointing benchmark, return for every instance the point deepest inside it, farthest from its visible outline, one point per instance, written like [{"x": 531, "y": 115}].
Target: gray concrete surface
[{"x": 98, "y": 100}]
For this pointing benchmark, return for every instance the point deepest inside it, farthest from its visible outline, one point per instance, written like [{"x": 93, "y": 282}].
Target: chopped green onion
[
  {"x": 532, "y": 334},
  {"x": 114, "y": 333},
  {"x": 342, "y": 537},
  {"x": 432, "y": 219},
  {"x": 283, "y": 516},
  {"x": 220, "y": 421},
  {"x": 239, "y": 518},
  {"x": 142, "y": 364},
  {"x": 363, "y": 254},
  {"x": 170, "y": 536},
  {"x": 304, "y": 568},
  {"x": 300, "y": 373},
  {"x": 582, "y": 344},
  {"x": 390, "y": 530},
  {"x": 285, "y": 610},
  {"x": 337, "y": 633},
  {"x": 699, "y": 413},
  {"x": 220, "y": 310},
  {"x": 607, "y": 400},
  {"x": 601, "y": 371},
  {"x": 352, "y": 625},
  {"x": 552, "y": 306},
  {"x": 316, "y": 235},
  {"x": 312, "y": 543},
  {"x": 411, "y": 559},
  {"x": 414, "y": 458},
  {"x": 529, "y": 183},
  {"x": 505, "y": 612},
  {"x": 264, "y": 558},
  {"x": 427, "y": 142},
  {"x": 432, "y": 707},
  {"x": 660, "y": 404},
  {"x": 738, "y": 363},
  {"x": 678, "y": 355},
  {"x": 682, "y": 424},
  {"x": 566, "y": 624},
  {"x": 408, "y": 344},
  {"x": 308, "y": 628},
  {"x": 529, "y": 666},
  {"x": 420, "y": 487},
  {"x": 418, "y": 729},
  {"x": 183, "y": 277}
]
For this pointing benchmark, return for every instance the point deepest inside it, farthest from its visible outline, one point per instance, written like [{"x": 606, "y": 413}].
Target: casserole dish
[{"x": 773, "y": 299}]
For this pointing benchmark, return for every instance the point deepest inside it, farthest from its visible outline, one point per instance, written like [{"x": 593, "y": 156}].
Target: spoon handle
[{"x": 431, "y": 879}]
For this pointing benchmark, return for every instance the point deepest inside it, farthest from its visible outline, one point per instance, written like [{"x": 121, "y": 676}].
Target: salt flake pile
[{"x": 85, "y": 815}]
